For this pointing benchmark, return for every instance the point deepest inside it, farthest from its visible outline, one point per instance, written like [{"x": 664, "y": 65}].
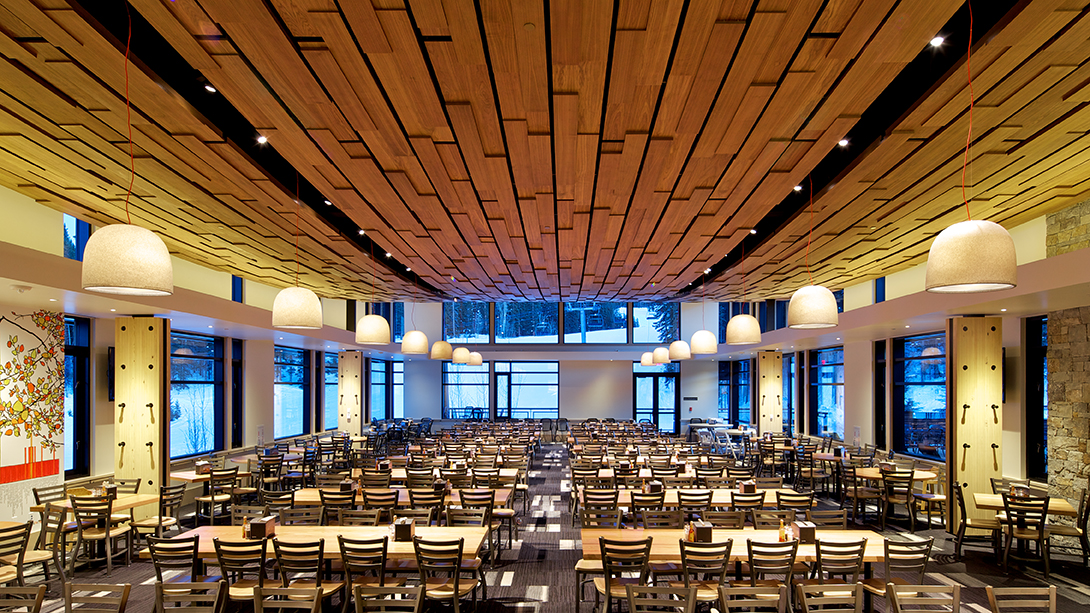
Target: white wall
[
  {"x": 29, "y": 224},
  {"x": 200, "y": 279},
  {"x": 596, "y": 389},
  {"x": 257, "y": 393},
  {"x": 102, "y": 408},
  {"x": 423, "y": 387},
  {"x": 859, "y": 391},
  {"x": 1014, "y": 381},
  {"x": 699, "y": 378}
]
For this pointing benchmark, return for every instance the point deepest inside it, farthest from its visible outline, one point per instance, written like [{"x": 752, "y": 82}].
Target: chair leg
[{"x": 960, "y": 537}]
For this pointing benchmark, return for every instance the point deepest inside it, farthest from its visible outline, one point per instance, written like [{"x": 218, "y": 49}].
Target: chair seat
[
  {"x": 155, "y": 522},
  {"x": 659, "y": 567},
  {"x": 328, "y": 587},
  {"x": 617, "y": 586},
  {"x": 982, "y": 523},
  {"x": 927, "y": 497},
  {"x": 1028, "y": 534},
  {"x": 844, "y": 594},
  {"x": 706, "y": 591},
  {"x": 117, "y": 518},
  {"x": 98, "y": 534},
  {"x": 374, "y": 581},
  {"x": 759, "y": 583},
  {"x": 1053, "y": 530},
  {"x": 863, "y": 492},
  {"x": 504, "y": 513},
  {"x": 33, "y": 556},
  {"x": 877, "y": 585},
  {"x": 242, "y": 589},
  {"x": 8, "y": 573},
  {"x": 590, "y": 566},
  {"x": 522, "y": 487},
  {"x": 443, "y": 589},
  {"x": 214, "y": 498}
]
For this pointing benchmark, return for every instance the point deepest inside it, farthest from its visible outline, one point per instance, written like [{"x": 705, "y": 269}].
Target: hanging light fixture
[
  {"x": 475, "y": 359},
  {"x": 460, "y": 355},
  {"x": 679, "y": 350},
  {"x": 647, "y": 359},
  {"x": 703, "y": 342},
  {"x": 661, "y": 355},
  {"x": 297, "y": 307},
  {"x": 373, "y": 329},
  {"x": 122, "y": 258},
  {"x": 812, "y": 306},
  {"x": 414, "y": 342},
  {"x": 974, "y": 255},
  {"x": 441, "y": 350},
  {"x": 743, "y": 328}
]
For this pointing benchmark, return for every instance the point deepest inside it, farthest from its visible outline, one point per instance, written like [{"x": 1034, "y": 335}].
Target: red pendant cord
[
  {"x": 297, "y": 207},
  {"x": 969, "y": 137},
  {"x": 810, "y": 237},
  {"x": 128, "y": 117},
  {"x": 703, "y": 300},
  {"x": 743, "y": 271}
]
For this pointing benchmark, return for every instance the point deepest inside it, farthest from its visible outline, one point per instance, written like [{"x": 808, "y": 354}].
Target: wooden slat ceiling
[{"x": 559, "y": 150}]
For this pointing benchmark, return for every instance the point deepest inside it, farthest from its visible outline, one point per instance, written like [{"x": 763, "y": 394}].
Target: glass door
[{"x": 656, "y": 399}]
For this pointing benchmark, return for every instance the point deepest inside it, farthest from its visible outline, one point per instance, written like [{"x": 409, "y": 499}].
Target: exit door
[{"x": 657, "y": 400}]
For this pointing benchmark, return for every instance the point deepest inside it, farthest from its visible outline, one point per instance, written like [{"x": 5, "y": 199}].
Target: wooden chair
[
  {"x": 897, "y": 489},
  {"x": 271, "y": 467},
  {"x": 837, "y": 563},
  {"x": 1025, "y": 520},
  {"x": 364, "y": 562},
  {"x": 333, "y": 501},
  {"x": 768, "y": 483},
  {"x": 374, "y": 480},
  {"x": 693, "y": 503},
  {"x": 904, "y": 557},
  {"x": 799, "y": 503},
  {"x": 300, "y": 565},
  {"x": 440, "y": 564},
  {"x": 649, "y": 599},
  {"x": 388, "y": 599},
  {"x": 855, "y": 492},
  {"x": 486, "y": 499},
  {"x": 170, "y": 499},
  {"x": 301, "y": 516},
  {"x": 422, "y": 517},
  {"x": 923, "y": 598},
  {"x": 332, "y": 481},
  {"x": 1007, "y": 599},
  {"x": 735, "y": 520},
  {"x": 427, "y": 499},
  {"x": 357, "y": 517},
  {"x": 277, "y": 500},
  {"x": 768, "y": 559},
  {"x": 747, "y": 502},
  {"x": 239, "y": 560},
  {"x": 932, "y": 494},
  {"x": 830, "y": 598},
  {"x": 744, "y": 599},
  {"x": 93, "y": 527},
  {"x": 828, "y": 520},
  {"x": 383, "y": 500},
  {"x": 241, "y": 513},
  {"x": 28, "y": 599},
  {"x": 207, "y": 597},
  {"x": 177, "y": 555},
  {"x": 771, "y": 520},
  {"x": 51, "y": 545},
  {"x": 620, "y": 558},
  {"x": 988, "y": 523},
  {"x": 704, "y": 568},
  {"x": 221, "y": 493},
  {"x": 96, "y": 597},
  {"x": 274, "y": 599},
  {"x": 1079, "y": 529}
]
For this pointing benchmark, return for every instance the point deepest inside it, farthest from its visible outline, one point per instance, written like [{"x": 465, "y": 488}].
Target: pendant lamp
[
  {"x": 475, "y": 359},
  {"x": 679, "y": 350},
  {"x": 704, "y": 343},
  {"x": 414, "y": 342},
  {"x": 128, "y": 260},
  {"x": 972, "y": 256},
  {"x": 460, "y": 355},
  {"x": 297, "y": 308},
  {"x": 647, "y": 359},
  {"x": 373, "y": 330},
  {"x": 744, "y": 329},
  {"x": 441, "y": 350},
  {"x": 661, "y": 355},
  {"x": 812, "y": 306}
]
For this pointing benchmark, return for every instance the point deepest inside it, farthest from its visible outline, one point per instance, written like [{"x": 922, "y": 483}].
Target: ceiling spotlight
[
  {"x": 1002, "y": 310},
  {"x": 937, "y": 41},
  {"x": 327, "y": 203},
  {"x": 261, "y": 140},
  {"x": 707, "y": 271},
  {"x": 843, "y": 142},
  {"x": 361, "y": 232},
  {"x": 906, "y": 326},
  {"x": 209, "y": 326},
  {"x": 752, "y": 230},
  {"x": 407, "y": 269},
  {"x": 797, "y": 188},
  {"x": 208, "y": 88},
  {"x": 113, "y": 310},
  {"x": 54, "y": 300},
  {"x": 388, "y": 254}
]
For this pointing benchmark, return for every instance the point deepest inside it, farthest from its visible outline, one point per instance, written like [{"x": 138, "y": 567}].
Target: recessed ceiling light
[
  {"x": 407, "y": 269},
  {"x": 797, "y": 188},
  {"x": 937, "y": 41},
  {"x": 388, "y": 254},
  {"x": 752, "y": 231},
  {"x": 261, "y": 140},
  {"x": 1002, "y": 310},
  {"x": 208, "y": 88},
  {"x": 327, "y": 203},
  {"x": 707, "y": 271},
  {"x": 361, "y": 232},
  {"x": 113, "y": 310},
  {"x": 838, "y": 338},
  {"x": 54, "y": 300},
  {"x": 906, "y": 326},
  {"x": 209, "y": 326},
  {"x": 843, "y": 142}
]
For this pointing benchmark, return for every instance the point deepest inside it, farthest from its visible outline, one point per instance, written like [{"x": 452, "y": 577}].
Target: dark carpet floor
[{"x": 537, "y": 576}]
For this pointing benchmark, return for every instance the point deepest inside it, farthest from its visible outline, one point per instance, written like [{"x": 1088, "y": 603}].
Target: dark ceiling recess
[
  {"x": 917, "y": 79},
  {"x": 152, "y": 51}
]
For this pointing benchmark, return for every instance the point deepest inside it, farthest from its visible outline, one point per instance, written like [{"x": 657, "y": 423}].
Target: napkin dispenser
[
  {"x": 440, "y": 486},
  {"x": 654, "y": 487},
  {"x": 348, "y": 485},
  {"x": 110, "y": 491},
  {"x": 747, "y": 487},
  {"x": 263, "y": 527},
  {"x": 838, "y": 452},
  {"x": 203, "y": 467},
  {"x": 700, "y": 531},
  {"x": 383, "y": 465},
  {"x": 805, "y": 531},
  {"x": 404, "y": 529}
]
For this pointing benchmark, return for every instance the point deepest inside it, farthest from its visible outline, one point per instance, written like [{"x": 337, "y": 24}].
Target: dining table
[
  {"x": 254, "y": 457},
  {"x": 720, "y": 497},
  {"x": 874, "y": 473},
  {"x": 309, "y": 496},
  {"x": 123, "y": 502},
  {"x": 994, "y": 502}
]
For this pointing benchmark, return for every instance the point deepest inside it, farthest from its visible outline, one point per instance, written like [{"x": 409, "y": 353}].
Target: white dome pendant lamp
[
  {"x": 125, "y": 259},
  {"x": 460, "y": 355},
  {"x": 743, "y": 328},
  {"x": 373, "y": 329},
  {"x": 441, "y": 350},
  {"x": 475, "y": 359},
  {"x": 703, "y": 342},
  {"x": 812, "y": 306},
  {"x": 974, "y": 255},
  {"x": 679, "y": 350},
  {"x": 661, "y": 355},
  {"x": 647, "y": 359},
  {"x": 297, "y": 307},
  {"x": 414, "y": 342}
]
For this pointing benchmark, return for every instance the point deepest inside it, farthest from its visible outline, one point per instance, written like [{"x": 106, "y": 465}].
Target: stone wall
[
  {"x": 1068, "y": 402},
  {"x": 1068, "y": 230}
]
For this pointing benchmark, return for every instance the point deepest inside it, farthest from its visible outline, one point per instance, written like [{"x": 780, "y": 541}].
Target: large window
[
  {"x": 919, "y": 395},
  {"x": 790, "y": 383},
  {"x": 827, "y": 392},
  {"x": 655, "y": 322},
  {"x": 527, "y": 390},
  {"x": 330, "y": 416},
  {"x": 76, "y": 233},
  {"x": 465, "y": 322},
  {"x": 237, "y": 408},
  {"x": 77, "y": 411},
  {"x": 387, "y": 389},
  {"x": 465, "y": 391},
  {"x": 596, "y": 322},
  {"x": 527, "y": 322},
  {"x": 1037, "y": 398},
  {"x": 291, "y": 392},
  {"x": 397, "y": 391},
  {"x": 735, "y": 392},
  {"x": 196, "y": 394},
  {"x": 655, "y": 396}
]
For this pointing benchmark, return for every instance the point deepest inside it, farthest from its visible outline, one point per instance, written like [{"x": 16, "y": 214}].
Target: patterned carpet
[{"x": 537, "y": 576}]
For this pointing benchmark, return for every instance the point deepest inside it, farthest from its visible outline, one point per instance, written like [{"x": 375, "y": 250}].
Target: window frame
[
  {"x": 814, "y": 365},
  {"x": 899, "y": 363},
  {"x": 306, "y": 383},
  {"x": 731, "y": 373},
  {"x": 494, "y": 332},
  {"x": 632, "y": 306},
  {"x": 510, "y": 384},
  {"x": 218, "y": 400},
  {"x": 322, "y": 358},
  {"x": 1036, "y": 397},
  {"x": 81, "y": 409},
  {"x": 486, "y": 411}
]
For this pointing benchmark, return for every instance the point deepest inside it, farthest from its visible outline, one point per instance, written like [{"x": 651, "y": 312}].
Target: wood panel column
[
  {"x": 769, "y": 391},
  {"x": 142, "y": 401},
  {"x": 974, "y": 409},
  {"x": 350, "y": 410}
]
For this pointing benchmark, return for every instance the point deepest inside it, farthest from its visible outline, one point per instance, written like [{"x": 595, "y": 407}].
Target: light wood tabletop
[
  {"x": 720, "y": 497},
  {"x": 400, "y": 474},
  {"x": 874, "y": 473},
  {"x": 123, "y": 502},
  {"x": 190, "y": 476},
  {"x": 665, "y": 547},
  {"x": 253, "y": 457},
  {"x": 994, "y": 502},
  {"x": 309, "y": 496},
  {"x": 474, "y": 537}
]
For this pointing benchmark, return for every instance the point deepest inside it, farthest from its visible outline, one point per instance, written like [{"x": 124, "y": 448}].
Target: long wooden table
[
  {"x": 665, "y": 547},
  {"x": 400, "y": 474},
  {"x": 874, "y": 473},
  {"x": 309, "y": 496},
  {"x": 123, "y": 502},
  {"x": 474, "y": 537},
  {"x": 720, "y": 497},
  {"x": 994, "y": 502}
]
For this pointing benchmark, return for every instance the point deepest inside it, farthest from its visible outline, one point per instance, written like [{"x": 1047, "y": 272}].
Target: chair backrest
[
  {"x": 422, "y": 517},
  {"x": 178, "y": 553},
  {"x": 908, "y": 556},
  {"x": 91, "y": 511},
  {"x": 329, "y": 480},
  {"x": 768, "y": 483},
  {"x": 49, "y": 493},
  {"x": 897, "y": 484},
  {"x": 795, "y": 501},
  {"x": 705, "y": 561},
  {"x": 834, "y": 519},
  {"x": 647, "y": 502},
  {"x": 739, "y": 500},
  {"x": 763, "y": 599},
  {"x": 439, "y": 560},
  {"x": 921, "y": 598},
  {"x": 170, "y": 499},
  {"x": 388, "y": 599},
  {"x": 337, "y": 498},
  {"x": 659, "y": 519},
  {"x": 356, "y": 517},
  {"x": 694, "y": 501},
  {"x": 601, "y": 517},
  {"x": 831, "y": 598},
  {"x": 648, "y": 599},
  {"x": 241, "y": 513},
  {"x": 839, "y": 559},
  {"x": 426, "y": 498},
  {"x": 287, "y": 598},
  {"x": 276, "y": 500},
  {"x": 767, "y": 520},
  {"x": 375, "y": 479},
  {"x": 13, "y": 542},
  {"x": 725, "y": 519},
  {"x": 237, "y": 559},
  {"x": 127, "y": 486},
  {"x": 467, "y": 516},
  {"x": 601, "y": 498},
  {"x": 380, "y": 499},
  {"x": 301, "y": 516},
  {"x": 303, "y": 558},
  {"x": 1025, "y": 510},
  {"x": 205, "y": 597},
  {"x": 364, "y": 557},
  {"x": 770, "y": 559},
  {"x": 97, "y": 597},
  {"x": 620, "y": 557},
  {"x": 28, "y": 599},
  {"x": 1005, "y": 599},
  {"x": 471, "y": 499}
]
